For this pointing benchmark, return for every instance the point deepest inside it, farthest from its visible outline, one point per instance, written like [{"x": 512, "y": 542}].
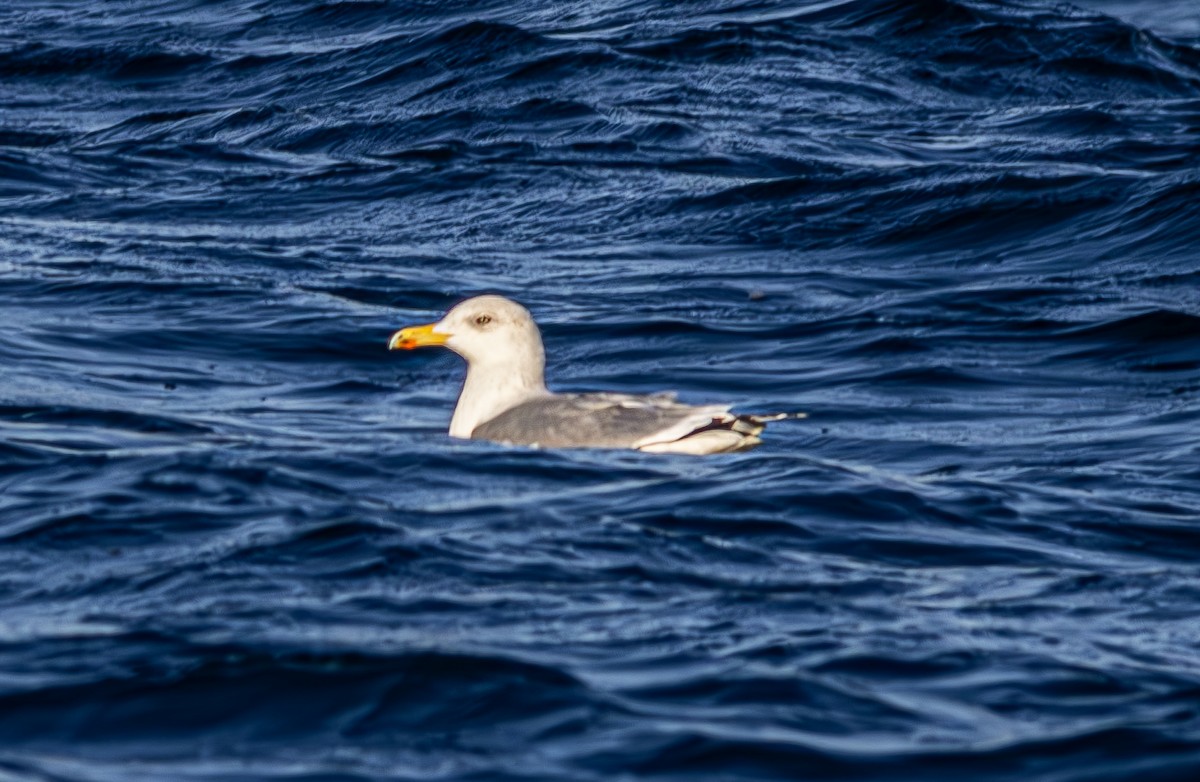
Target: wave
[
  {"x": 233, "y": 693},
  {"x": 116, "y": 62}
]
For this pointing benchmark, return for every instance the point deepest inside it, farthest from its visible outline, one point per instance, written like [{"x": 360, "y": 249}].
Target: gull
[{"x": 504, "y": 397}]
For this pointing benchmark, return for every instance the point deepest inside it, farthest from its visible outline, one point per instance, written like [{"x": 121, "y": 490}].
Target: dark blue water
[{"x": 236, "y": 543}]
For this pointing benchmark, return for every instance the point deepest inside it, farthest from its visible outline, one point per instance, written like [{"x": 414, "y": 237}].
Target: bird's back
[{"x": 619, "y": 421}]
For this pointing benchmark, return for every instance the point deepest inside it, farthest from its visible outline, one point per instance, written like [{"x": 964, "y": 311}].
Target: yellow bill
[{"x": 417, "y": 337}]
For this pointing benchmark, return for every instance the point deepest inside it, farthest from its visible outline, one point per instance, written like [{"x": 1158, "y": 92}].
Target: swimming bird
[{"x": 505, "y": 399}]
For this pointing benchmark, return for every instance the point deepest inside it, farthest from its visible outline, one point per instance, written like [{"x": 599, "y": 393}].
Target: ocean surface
[{"x": 236, "y": 542}]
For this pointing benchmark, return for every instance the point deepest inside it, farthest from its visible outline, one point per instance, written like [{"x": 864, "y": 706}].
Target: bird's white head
[{"x": 486, "y": 331}]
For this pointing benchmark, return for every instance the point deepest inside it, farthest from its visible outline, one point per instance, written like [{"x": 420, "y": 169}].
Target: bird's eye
[{"x": 483, "y": 320}]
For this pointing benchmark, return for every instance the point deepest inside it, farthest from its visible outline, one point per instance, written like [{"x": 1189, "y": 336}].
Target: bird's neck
[{"x": 494, "y": 387}]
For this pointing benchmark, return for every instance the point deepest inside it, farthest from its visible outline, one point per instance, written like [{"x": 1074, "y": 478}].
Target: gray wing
[{"x": 599, "y": 421}]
